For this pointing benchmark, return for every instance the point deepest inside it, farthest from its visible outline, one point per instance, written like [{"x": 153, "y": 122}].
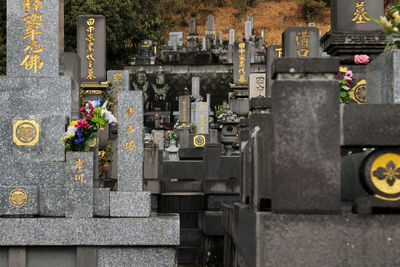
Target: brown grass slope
[{"x": 273, "y": 16}]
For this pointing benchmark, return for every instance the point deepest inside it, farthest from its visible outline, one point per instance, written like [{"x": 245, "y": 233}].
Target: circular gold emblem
[
  {"x": 199, "y": 141},
  {"x": 360, "y": 92},
  {"x": 18, "y": 197},
  {"x": 382, "y": 174},
  {"x": 26, "y": 132}
]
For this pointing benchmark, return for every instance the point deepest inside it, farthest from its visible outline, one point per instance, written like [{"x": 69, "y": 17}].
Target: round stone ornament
[{"x": 381, "y": 174}]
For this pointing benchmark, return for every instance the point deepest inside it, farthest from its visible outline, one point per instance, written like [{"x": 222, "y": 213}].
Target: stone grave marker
[
  {"x": 247, "y": 30},
  {"x": 241, "y": 63},
  {"x": 119, "y": 82},
  {"x": 184, "y": 108},
  {"x": 210, "y": 23},
  {"x": 91, "y": 48},
  {"x": 193, "y": 27},
  {"x": 231, "y": 36},
  {"x": 262, "y": 37},
  {"x": 301, "y": 42},
  {"x": 178, "y": 36},
  {"x": 204, "y": 44},
  {"x": 158, "y": 136},
  {"x": 202, "y": 110},
  {"x": 221, "y": 37},
  {"x": 130, "y": 200},
  {"x": 257, "y": 85},
  {"x": 352, "y": 15},
  {"x": 251, "y": 19},
  {"x": 72, "y": 68},
  {"x": 196, "y": 88},
  {"x": 32, "y": 38},
  {"x": 273, "y": 52}
]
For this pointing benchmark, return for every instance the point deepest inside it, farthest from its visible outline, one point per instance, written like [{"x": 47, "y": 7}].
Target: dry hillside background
[{"x": 272, "y": 15}]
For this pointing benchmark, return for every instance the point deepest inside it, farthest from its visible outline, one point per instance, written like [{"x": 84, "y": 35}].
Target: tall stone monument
[
  {"x": 91, "y": 48},
  {"x": 301, "y": 42},
  {"x": 51, "y": 214},
  {"x": 241, "y": 63}
]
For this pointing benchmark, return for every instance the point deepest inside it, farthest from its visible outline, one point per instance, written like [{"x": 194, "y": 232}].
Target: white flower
[
  {"x": 395, "y": 29},
  {"x": 71, "y": 130},
  {"x": 110, "y": 118}
]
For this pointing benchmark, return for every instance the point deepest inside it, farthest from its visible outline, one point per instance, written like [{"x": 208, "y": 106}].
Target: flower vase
[{"x": 172, "y": 151}]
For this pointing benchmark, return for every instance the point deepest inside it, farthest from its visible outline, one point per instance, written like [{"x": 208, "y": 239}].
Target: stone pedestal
[{"x": 306, "y": 136}]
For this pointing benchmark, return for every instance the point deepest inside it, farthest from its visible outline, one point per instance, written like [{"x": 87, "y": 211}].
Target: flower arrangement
[
  {"x": 156, "y": 117},
  {"x": 391, "y": 26},
  {"x": 192, "y": 37},
  {"x": 171, "y": 135},
  {"x": 81, "y": 133},
  {"x": 347, "y": 82}
]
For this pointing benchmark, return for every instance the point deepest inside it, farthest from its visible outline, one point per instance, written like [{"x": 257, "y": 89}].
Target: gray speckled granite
[
  {"x": 79, "y": 194},
  {"x": 48, "y": 148},
  {"x": 101, "y": 202},
  {"x": 48, "y": 39},
  {"x": 30, "y": 207},
  {"x": 52, "y": 202},
  {"x": 46, "y": 96},
  {"x": 130, "y": 204},
  {"x": 156, "y": 230},
  {"x": 119, "y": 81},
  {"x": 132, "y": 257},
  {"x": 130, "y": 159},
  {"x": 49, "y": 174}
]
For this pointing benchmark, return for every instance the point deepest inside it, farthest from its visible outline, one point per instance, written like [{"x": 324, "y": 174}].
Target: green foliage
[
  {"x": 219, "y": 110},
  {"x": 128, "y": 22},
  {"x": 310, "y": 8}
]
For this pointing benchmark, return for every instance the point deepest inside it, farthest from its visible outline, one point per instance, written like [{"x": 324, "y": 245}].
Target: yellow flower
[
  {"x": 343, "y": 69},
  {"x": 73, "y": 123}
]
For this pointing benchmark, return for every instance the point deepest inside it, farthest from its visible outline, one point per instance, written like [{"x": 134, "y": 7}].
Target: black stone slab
[
  {"x": 350, "y": 15},
  {"x": 273, "y": 52},
  {"x": 92, "y": 70},
  {"x": 188, "y": 169},
  {"x": 301, "y": 42},
  {"x": 371, "y": 125},
  {"x": 306, "y": 149},
  {"x": 305, "y": 65}
]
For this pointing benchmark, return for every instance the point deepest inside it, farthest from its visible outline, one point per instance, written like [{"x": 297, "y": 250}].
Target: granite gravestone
[
  {"x": 301, "y": 42},
  {"x": 158, "y": 136},
  {"x": 72, "y": 68},
  {"x": 201, "y": 114},
  {"x": 32, "y": 38},
  {"x": 119, "y": 82},
  {"x": 178, "y": 36},
  {"x": 352, "y": 15},
  {"x": 193, "y": 27},
  {"x": 247, "y": 30},
  {"x": 231, "y": 36},
  {"x": 306, "y": 137},
  {"x": 184, "y": 108},
  {"x": 262, "y": 38},
  {"x": 204, "y": 44},
  {"x": 251, "y": 19},
  {"x": 273, "y": 52},
  {"x": 79, "y": 185},
  {"x": 210, "y": 33},
  {"x": 221, "y": 37},
  {"x": 130, "y": 200},
  {"x": 257, "y": 85},
  {"x": 196, "y": 88},
  {"x": 91, "y": 48},
  {"x": 241, "y": 63}
]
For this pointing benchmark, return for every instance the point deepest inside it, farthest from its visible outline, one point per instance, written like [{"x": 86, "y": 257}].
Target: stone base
[
  {"x": 152, "y": 231},
  {"x": 87, "y": 256},
  {"x": 267, "y": 239},
  {"x": 371, "y": 204},
  {"x": 130, "y": 204}
]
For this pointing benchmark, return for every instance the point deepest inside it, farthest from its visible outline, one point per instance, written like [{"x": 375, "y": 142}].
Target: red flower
[
  {"x": 83, "y": 124},
  {"x": 361, "y": 59}
]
